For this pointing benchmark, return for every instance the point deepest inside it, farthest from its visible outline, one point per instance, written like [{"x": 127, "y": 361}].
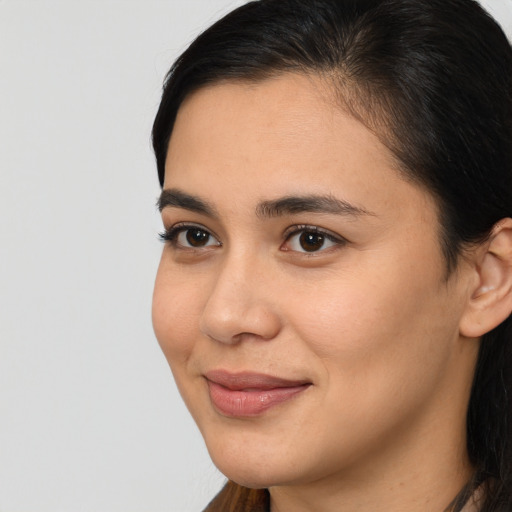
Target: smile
[{"x": 250, "y": 394}]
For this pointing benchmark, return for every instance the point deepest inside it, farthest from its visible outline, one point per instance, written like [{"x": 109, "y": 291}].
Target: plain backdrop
[{"x": 90, "y": 419}]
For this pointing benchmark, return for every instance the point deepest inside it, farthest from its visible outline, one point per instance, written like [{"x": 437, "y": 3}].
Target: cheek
[
  {"x": 377, "y": 325},
  {"x": 384, "y": 344},
  {"x": 174, "y": 316}
]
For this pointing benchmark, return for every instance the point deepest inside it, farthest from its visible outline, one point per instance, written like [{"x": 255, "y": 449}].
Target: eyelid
[
  {"x": 300, "y": 228},
  {"x": 171, "y": 233}
]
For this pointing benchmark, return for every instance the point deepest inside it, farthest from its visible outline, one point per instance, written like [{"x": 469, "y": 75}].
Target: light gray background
[{"x": 89, "y": 416}]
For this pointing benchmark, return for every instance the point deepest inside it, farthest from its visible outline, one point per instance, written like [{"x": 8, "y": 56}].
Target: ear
[{"x": 490, "y": 302}]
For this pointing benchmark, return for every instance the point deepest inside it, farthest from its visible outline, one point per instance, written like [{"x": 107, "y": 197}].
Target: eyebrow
[
  {"x": 292, "y": 205},
  {"x": 289, "y": 205},
  {"x": 179, "y": 199}
]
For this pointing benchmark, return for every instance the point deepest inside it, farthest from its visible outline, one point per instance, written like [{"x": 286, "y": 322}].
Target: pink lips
[{"x": 249, "y": 394}]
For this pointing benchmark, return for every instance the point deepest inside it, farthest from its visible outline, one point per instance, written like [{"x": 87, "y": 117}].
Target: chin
[
  {"x": 260, "y": 477},
  {"x": 257, "y": 463}
]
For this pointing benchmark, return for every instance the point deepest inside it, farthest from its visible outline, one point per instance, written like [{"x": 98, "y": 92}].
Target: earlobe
[{"x": 490, "y": 302}]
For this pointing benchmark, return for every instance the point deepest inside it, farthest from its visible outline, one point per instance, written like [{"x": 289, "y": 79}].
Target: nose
[{"x": 240, "y": 305}]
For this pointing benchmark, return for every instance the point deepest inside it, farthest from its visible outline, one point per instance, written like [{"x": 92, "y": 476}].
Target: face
[{"x": 301, "y": 298}]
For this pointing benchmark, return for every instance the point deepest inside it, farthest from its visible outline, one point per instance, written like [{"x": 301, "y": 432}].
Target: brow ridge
[
  {"x": 179, "y": 199},
  {"x": 292, "y": 205},
  {"x": 288, "y": 205}
]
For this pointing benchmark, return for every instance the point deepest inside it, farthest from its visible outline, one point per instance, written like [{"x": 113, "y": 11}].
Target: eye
[
  {"x": 186, "y": 236},
  {"x": 310, "y": 239}
]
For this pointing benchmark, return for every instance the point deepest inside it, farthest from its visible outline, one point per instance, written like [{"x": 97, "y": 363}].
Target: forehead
[
  {"x": 271, "y": 121},
  {"x": 288, "y": 105},
  {"x": 282, "y": 136}
]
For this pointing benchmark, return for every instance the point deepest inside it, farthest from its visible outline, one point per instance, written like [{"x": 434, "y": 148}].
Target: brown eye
[
  {"x": 311, "y": 241},
  {"x": 190, "y": 237},
  {"x": 197, "y": 237}
]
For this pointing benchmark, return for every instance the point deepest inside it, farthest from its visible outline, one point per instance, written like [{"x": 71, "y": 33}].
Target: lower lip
[{"x": 252, "y": 402}]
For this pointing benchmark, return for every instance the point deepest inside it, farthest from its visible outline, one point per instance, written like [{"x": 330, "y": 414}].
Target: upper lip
[{"x": 248, "y": 380}]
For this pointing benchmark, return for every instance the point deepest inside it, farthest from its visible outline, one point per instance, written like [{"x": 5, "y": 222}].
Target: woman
[{"x": 334, "y": 295}]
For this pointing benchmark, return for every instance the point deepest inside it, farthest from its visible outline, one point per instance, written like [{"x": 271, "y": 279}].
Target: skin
[{"x": 370, "y": 320}]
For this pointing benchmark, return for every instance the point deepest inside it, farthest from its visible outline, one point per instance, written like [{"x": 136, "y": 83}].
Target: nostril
[
  {"x": 256, "y": 322},
  {"x": 231, "y": 341}
]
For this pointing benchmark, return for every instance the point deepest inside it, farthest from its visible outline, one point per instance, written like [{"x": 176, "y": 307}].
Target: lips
[{"x": 250, "y": 394}]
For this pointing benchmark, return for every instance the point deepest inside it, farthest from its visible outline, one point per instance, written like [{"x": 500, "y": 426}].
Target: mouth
[{"x": 250, "y": 394}]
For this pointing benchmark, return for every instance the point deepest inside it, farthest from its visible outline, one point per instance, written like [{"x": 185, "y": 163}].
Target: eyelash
[
  {"x": 171, "y": 234},
  {"x": 305, "y": 228}
]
